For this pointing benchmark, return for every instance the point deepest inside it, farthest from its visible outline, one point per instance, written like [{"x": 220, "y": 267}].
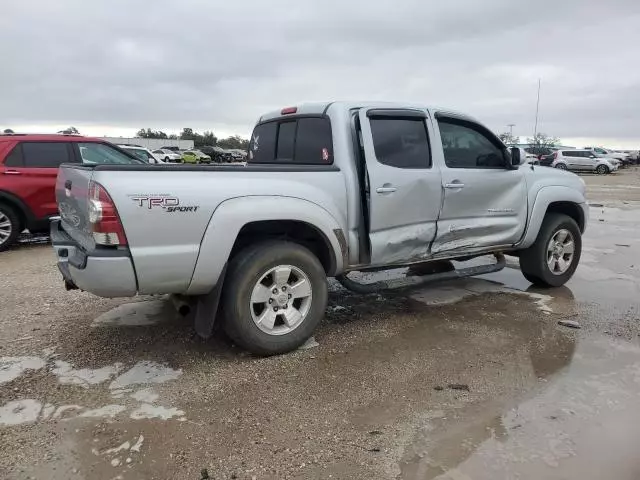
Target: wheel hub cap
[
  {"x": 5, "y": 228},
  {"x": 281, "y": 300},
  {"x": 560, "y": 252}
]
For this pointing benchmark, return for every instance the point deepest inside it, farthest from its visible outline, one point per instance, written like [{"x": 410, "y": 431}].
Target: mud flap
[{"x": 207, "y": 308}]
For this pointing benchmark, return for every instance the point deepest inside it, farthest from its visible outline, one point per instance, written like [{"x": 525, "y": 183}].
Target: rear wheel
[
  {"x": 274, "y": 297},
  {"x": 602, "y": 170},
  {"x": 561, "y": 166},
  {"x": 9, "y": 226},
  {"x": 552, "y": 260}
]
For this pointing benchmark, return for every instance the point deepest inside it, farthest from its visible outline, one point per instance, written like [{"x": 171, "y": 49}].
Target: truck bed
[{"x": 166, "y": 209}]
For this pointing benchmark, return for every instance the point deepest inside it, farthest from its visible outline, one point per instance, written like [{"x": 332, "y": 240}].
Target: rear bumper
[{"x": 106, "y": 273}]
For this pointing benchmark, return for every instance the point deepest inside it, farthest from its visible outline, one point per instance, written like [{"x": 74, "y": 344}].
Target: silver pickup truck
[{"x": 328, "y": 189}]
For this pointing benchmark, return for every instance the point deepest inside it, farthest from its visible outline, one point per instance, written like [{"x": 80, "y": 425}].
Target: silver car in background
[{"x": 583, "y": 161}]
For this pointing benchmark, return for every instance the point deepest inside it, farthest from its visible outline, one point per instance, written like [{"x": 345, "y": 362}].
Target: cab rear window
[{"x": 303, "y": 141}]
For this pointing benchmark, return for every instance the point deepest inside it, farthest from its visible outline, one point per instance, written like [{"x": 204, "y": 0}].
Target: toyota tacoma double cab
[
  {"x": 328, "y": 189},
  {"x": 28, "y": 170}
]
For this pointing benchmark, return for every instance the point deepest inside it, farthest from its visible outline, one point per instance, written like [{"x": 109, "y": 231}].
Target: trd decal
[{"x": 165, "y": 202}]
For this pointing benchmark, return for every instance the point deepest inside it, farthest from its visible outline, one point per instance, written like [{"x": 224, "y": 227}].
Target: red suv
[{"x": 28, "y": 169}]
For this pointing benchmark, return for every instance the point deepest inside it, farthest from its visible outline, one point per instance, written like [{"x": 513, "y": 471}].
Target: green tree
[
  {"x": 70, "y": 131},
  {"x": 208, "y": 138},
  {"x": 187, "y": 134},
  {"x": 509, "y": 139},
  {"x": 148, "y": 133},
  {"x": 542, "y": 142},
  {"x": 234, "y": 142}
]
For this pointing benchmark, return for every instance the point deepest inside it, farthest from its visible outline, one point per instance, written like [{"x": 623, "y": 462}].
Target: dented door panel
[
  {"x": 404, "y": 205},
  {"x": 489, "y": 209}
]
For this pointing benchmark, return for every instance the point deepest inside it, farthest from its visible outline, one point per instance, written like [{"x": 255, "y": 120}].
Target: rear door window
[
  {"x": 45, "y": 154},
  {"x": 401, "y": 142},
  {"x": 303, "y": 141}
]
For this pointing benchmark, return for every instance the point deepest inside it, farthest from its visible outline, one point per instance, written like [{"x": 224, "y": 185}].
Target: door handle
[
  {"x": 386, "y": 188},
  {"x": 454, "y": 185},
  {"x": 12, "y": 172}
]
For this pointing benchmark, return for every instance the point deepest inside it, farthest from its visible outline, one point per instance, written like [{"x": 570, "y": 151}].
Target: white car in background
[
  {"x": 141, "y": 153},
  {"x": 605, "y": 153},
  {"x": 583, "y": 161},
  {"x": 168, "y": 155}
]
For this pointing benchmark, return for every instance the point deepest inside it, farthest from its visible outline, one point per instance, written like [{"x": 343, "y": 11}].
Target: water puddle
[
  {"x": 583, "y": 424},
  {"x": 141, "y": 403}
]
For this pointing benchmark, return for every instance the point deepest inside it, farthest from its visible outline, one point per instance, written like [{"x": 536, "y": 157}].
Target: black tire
[
  {"x": 602, "y": 169},
  {"x": 531, "y": 278},
  {"x": 15, "y": 228},
  {"x": 561, "y": 166},
  {"x": 245, "y": 271},
  {"x": 167, "y": 159},
  {"x": 533, "y": 260}
]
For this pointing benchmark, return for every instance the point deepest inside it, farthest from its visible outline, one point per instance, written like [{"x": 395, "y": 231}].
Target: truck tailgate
[{"x": 72, "y": 195}]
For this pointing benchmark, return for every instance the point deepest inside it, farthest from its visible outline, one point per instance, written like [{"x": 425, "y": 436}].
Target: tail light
[
  {"x": 104, "y": 221},
  {"x": 555, "y": 155}
]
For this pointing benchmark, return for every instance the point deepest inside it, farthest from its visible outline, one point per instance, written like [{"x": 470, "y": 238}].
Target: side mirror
[{"x": 516, "y": 157}]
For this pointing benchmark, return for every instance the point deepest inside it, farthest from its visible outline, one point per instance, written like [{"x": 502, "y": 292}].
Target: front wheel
[
  {"x": 552, "y": 260},
  {"x": 274, "y": 297},
  {"x": 602, "y": 170}
]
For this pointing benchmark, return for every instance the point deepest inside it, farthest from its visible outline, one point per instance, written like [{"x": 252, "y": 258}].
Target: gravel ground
[{"x": 468, "y": 379}]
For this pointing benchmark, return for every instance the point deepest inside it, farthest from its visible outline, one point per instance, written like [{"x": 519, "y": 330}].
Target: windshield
[{"x": 101, "y": 153}]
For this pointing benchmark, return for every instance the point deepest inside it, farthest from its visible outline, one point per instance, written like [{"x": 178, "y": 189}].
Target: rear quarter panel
[{"x": 165, "y": 242}]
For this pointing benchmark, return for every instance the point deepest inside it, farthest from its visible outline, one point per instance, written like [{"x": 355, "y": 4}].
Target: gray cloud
[{"x": 210, "y": 64}]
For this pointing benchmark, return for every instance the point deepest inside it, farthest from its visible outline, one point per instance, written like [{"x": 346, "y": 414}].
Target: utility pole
[
  {"x": 511, "y": 125},
  {"x": 535, "y": 128}
]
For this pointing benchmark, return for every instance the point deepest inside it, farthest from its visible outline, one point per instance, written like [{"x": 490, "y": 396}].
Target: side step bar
[{"x": 406, "y": 282}]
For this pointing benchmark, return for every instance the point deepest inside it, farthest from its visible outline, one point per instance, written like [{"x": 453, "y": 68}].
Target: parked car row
[
  {"x": 205, "y": 154},
  {"x": 594, "y": 159}
]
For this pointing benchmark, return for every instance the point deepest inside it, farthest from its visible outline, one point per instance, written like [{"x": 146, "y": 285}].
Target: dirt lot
[{"x": 468, "y": 379}]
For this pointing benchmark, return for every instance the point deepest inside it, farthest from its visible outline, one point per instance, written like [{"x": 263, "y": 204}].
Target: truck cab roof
[{"x": 319, "y": 108}]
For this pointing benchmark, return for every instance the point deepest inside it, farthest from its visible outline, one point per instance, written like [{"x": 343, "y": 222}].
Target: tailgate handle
[
  {"x": 12, "y": 172},
  {"x": 67, "y": 185}
]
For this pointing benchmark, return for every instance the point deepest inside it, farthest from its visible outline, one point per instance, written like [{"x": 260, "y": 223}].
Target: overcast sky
[{"x": 112, "y": 67}]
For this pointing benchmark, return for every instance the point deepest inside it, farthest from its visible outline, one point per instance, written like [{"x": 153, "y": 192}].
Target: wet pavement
[{"x": 472, "y": 379}]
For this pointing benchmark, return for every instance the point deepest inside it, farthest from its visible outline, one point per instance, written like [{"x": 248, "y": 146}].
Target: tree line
[
  {"x": 539, "y": 141},
  {"x": 199, "y": 139}
]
